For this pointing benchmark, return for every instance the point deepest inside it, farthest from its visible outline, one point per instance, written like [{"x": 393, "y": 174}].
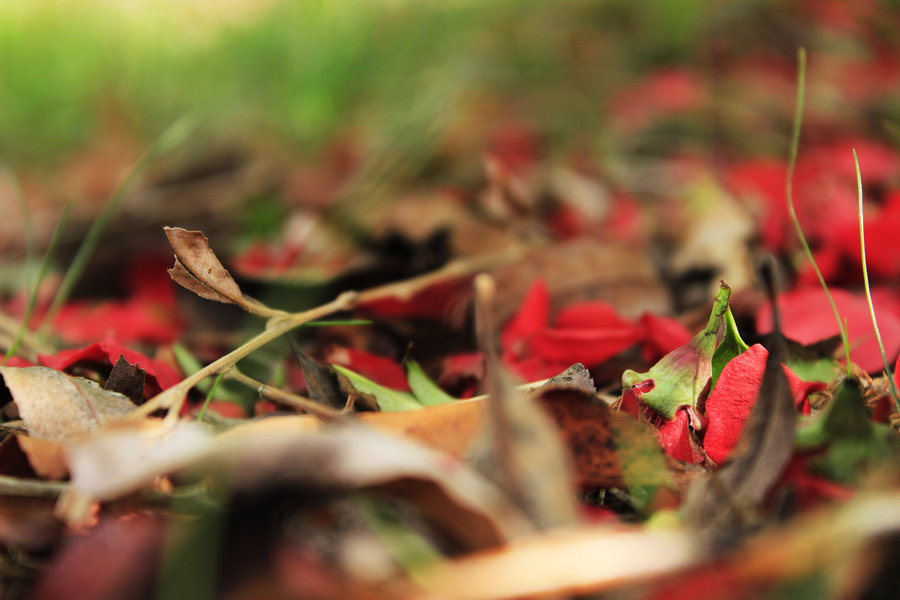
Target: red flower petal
[
  {"x": 731, "y": 401},
  {"x": 676, "y": 439},
  {"x": 661, "y": 335},
  {"x": 532, "y": 317},
  {"x": 108, "y": 352},
  {"x": 807, "y": 318},
  {"x": 588, "y": 346},
  {"x": 377, "y": 368}
]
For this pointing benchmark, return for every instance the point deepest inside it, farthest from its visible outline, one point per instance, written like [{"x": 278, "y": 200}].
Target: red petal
[
  {"x": 807, "y": 318},
  {"x": 108, "y": 352},
  {"x": 661, "y": 336},
  {"x": 590, "y": 315},
  {"x": 434, "y": 303},
  {"x": 735, "y": 394},
  {"x": 676, "y": 438},
  {"x": 531, "y": 318},
  {"x": 377, "y": 368},
  {"x": 588, "y": 346}
]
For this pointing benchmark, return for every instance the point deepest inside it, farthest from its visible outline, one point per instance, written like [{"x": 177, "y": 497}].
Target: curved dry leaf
[
  {"x": 197, "y": 268},
  {"x": 119, "y": 460},
  {"x": 59, "y": 407},
  {"x": 563, "y": 563},
  {"x": 461, "y": 502}
]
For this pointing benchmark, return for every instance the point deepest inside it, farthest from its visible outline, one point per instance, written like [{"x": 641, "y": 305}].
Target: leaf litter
[{"x": 651, "y": 453}]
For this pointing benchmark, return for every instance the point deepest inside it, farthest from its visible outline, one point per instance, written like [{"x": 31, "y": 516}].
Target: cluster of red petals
[
  {"x": 159, "y": 374},
  {"x": 148, "y": 314},
  {"x": 663, "y": 93},
  {"x": 807, "y": 318},
  {"x": 825, "y": 199},
  {"x": 586, "y": 332},
  {"x": 691, "y": 437}
]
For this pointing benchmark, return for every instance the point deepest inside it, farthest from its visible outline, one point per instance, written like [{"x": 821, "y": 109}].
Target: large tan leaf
[{"x": 59, "y": 407}]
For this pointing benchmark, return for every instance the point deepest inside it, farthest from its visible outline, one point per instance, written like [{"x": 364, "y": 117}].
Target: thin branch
[{"x": 173, "y": 398}]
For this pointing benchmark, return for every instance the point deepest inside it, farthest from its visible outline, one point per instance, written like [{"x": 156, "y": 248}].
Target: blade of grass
[
  {"x": 209, "y": 396},
  {"x": 862, "y": 247},
  {"x": 173, "y": 136},
  {"x": 42, "y": 271},
  {"x": 789, "y": 189}
]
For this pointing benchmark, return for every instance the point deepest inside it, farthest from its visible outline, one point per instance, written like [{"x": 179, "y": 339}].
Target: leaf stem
[
  {"x": 862, "y": 246},
  {"x": 789, "y": 189},
  {"x": 282, "y": 397}
]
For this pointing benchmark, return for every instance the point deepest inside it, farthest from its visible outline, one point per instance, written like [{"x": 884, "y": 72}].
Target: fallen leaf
[
  {"x": 160, "y": 375},
  {"x": 852, "y": 442},
  {"x": 425, "y": 390},
  {"x": 729, "y": 503},
  {"x": 127, "y": 379},
  {"x": 459, "y": 501},
  {"x": 321, "y": 382},
  {"x": 46, "y": 457},
  {"x": 197, "y": 268},
  {"x": 563, "y": 563},
  {"x": 114, "y": 560},
  {"x": 383, "y": 397},
  {"x": 120, "y": 459},
  {"x": 58, "y": 407}
]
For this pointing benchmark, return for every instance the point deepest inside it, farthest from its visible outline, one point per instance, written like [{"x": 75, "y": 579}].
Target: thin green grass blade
[
  {"x": 862, "y": 247},
  {"x": 789, "y": 189},
  {"x": 173, "y": 136},
  {"x": 209, "y": 396},
  {"x": 42, "y": 272}
]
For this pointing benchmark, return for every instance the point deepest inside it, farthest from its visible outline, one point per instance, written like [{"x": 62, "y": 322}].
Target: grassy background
[{"x": 303, "y": 70}]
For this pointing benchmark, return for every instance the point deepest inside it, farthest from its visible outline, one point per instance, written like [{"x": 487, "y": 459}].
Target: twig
[
  {"x": 33, "y": 488},
  {"x": 173, "y": 398},
  {"x": 310, "y": 406}
]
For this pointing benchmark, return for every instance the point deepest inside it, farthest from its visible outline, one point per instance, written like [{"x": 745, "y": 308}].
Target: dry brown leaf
[
  {"x": 197, "y": 268},
  {"x": 122, "y": 458},
  {"x": 562, "y": 563},
  {"x": 463, "y": 504},
  {"x": 58, "y": 407},
  {"x": 46, "y": 457}
]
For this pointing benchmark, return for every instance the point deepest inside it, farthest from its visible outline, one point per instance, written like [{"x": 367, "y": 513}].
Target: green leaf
[
  {"x": 387, "y": 399},
  {"x": 853, "y": 440},
  {"x": 680, "y": 376},
  {"x": 822, "y": 369},
  {"x": 425, "y": 390},
  {"x": 731, "y": 345}
]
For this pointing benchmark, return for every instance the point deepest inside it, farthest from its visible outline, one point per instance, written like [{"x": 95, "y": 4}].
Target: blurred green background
[{"x": 303, "y": 71}]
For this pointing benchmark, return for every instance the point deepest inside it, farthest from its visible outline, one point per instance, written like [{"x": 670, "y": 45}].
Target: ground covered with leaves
[{"x": 560, "y": 333}]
